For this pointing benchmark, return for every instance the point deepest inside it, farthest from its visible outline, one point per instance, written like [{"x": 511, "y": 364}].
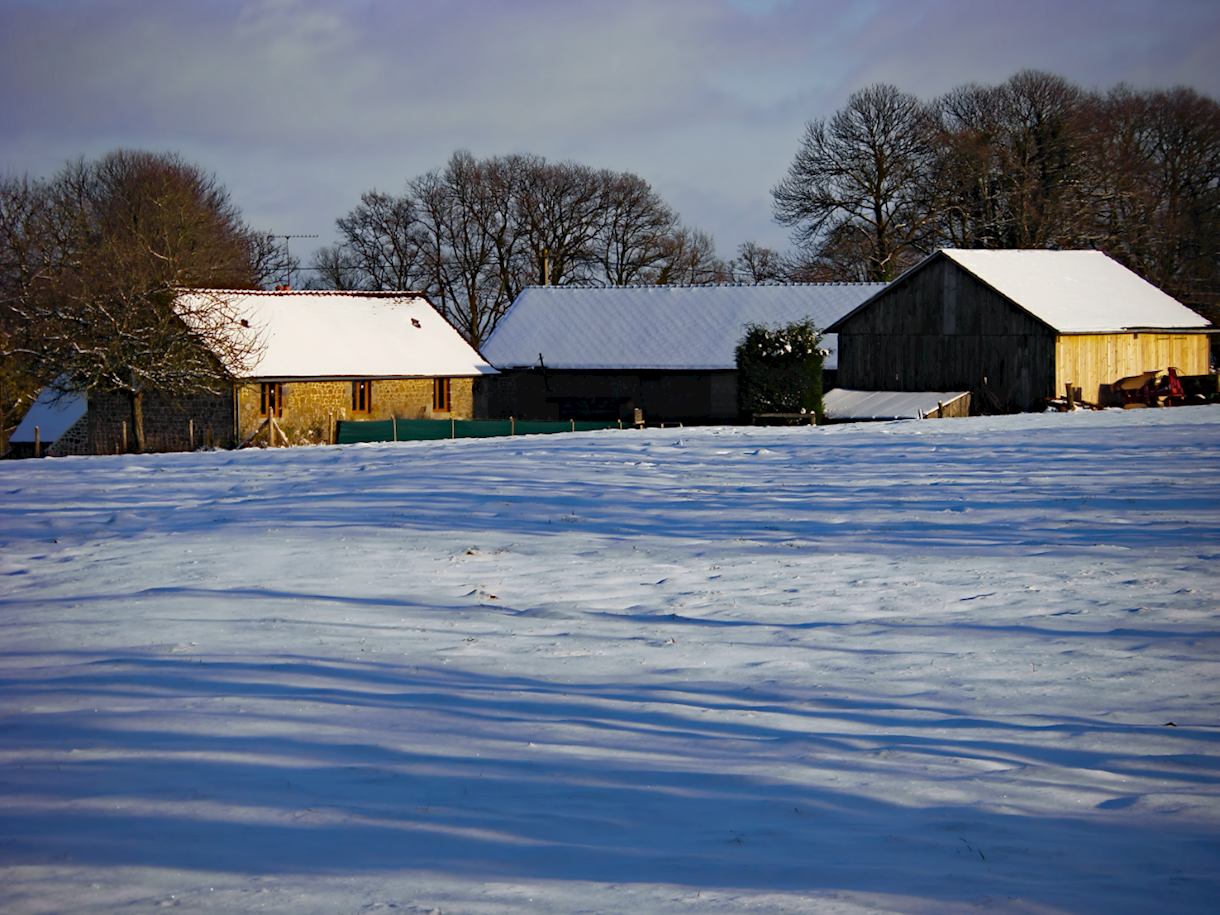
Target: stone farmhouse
[
  {"x": 324, "y": 357},
  {"x": 331, "y": 356}
]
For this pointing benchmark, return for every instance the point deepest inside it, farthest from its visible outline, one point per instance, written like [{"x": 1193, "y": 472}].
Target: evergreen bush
[{"x": 779, "y": 369}]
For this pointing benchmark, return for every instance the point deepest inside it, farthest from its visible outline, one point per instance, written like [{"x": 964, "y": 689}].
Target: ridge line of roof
[
  {"x": 358, "y": 293},
  {"x": 700, "y": 286}
]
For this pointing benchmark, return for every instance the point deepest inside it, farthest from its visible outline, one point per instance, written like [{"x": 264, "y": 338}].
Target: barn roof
[
  {"x": 1078, "y": 291},
  {"x": 318, "y": 334},
  {"x": 1074, "y": 292},
  {"x": 52, "y": 415},
  {"x": 691, "y": 328}
]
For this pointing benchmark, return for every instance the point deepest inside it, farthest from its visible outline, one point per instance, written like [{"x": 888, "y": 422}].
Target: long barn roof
[
  {"x": 690, "y": 328},
  {"x": 316, "y": 334}
]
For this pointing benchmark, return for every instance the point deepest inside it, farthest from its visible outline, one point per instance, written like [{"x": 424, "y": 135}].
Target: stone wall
[
  {"x": 167, "y": 422},
  {"x": 309, "y": 408},
  {"x": 74, "y": 441}
]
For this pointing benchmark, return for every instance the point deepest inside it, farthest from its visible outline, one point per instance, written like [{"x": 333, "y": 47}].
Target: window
[
  {"x": 362, "y": 397},
  {"x": 440, "y": 395},
  {"x": 271, "y": 399}
]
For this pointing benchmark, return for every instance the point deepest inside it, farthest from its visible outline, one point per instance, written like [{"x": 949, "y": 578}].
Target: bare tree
[
  {"x": 473, "y": 234},
  {"x": 1181, "y": 253},
  {"x": 123, "y": 235},
  {"x": 470, "y": 245},
  {"x": 757, "y": 264},
  {"x": 862, "y": 173},
  {"x": 690, "y": 259},
  {"x": 1010, "y": 169},
  {"x": 382, "y": 247},
  {"x": 23, "y": 256},
  {"x": 635, "y": 227}
]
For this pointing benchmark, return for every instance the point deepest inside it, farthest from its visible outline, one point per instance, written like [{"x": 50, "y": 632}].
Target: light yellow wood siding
[{"x": 1089, "y": 361}]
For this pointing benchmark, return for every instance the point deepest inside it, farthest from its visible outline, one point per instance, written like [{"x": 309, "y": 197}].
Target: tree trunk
[{"x": 137, "y": 420}]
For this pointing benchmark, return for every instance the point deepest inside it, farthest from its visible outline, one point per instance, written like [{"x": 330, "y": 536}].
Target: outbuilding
[
  {"x": 567, "y": 352},
  {"x": 1017, "y": 327}
]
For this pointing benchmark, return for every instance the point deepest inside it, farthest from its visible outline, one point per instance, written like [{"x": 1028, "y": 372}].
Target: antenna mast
[{"x": 288, "y": 256}]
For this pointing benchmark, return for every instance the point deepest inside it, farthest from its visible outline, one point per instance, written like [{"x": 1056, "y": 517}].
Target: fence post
[
  {"x": 192, "y": 434},
  {"x": 124, "y": 437},
  {"x": 37, "y": 441},
  {"x": 512, "y": 425},
  {"x": 394, "y": 426},
  {"x": 452, "y": 427}
]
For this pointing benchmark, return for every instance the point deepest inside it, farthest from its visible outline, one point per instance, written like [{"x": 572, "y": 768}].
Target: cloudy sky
[{"x": 300, "y": 105}]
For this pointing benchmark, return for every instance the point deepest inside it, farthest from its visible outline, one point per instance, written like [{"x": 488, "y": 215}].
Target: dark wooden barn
[
  {"x": 600, "y": 353},
  {"x": 1020, "y": 325}
]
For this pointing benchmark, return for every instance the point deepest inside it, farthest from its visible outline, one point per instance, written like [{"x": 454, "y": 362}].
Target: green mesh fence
[{"x": 418, "y": 430}]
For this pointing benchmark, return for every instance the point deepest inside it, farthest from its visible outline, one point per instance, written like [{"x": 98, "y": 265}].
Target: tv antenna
[{"x": 288, "y": 256}]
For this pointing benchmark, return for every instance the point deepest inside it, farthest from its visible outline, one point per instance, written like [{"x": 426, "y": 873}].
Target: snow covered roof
[
  {"x": 1076, "y": 292},
  {"x": 312, "y": 334},
  {"x": 842, "y": 403},
  {"x": 51, "y": 419},
  {"x": 657, "y": 327}
]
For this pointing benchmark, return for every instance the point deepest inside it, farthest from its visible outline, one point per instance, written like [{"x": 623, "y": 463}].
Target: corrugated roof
[
  {"x": 312, "y": 334},
  {"x": 657, "y": 327},
  {"x": 843, "y": 404},
  {"x": 1077, "y": 291}
]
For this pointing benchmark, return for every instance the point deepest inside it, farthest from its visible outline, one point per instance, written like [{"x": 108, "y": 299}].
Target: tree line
[
  {"x": 473, "y": 234},
  {"x": 90, "y": 258},
  {"x": 1035, "y": 162},
  {"x": 90, "y": 263}
]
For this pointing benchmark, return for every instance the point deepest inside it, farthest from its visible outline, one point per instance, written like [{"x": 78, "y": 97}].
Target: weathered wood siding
[
  {"x": 941, "y": 329},
  {"x": 1092, "y": 362}
]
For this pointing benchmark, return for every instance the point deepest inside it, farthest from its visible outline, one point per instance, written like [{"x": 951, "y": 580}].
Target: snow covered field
[{"x": 920, "y": 667}]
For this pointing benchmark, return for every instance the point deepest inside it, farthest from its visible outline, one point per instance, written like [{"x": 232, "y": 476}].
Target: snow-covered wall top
[
  {"x": 841, "y": 403},
  {"x": 1077, "y": 291},
  {"x": 689, "y": 328},
  {"x": 312, "y": 334}
]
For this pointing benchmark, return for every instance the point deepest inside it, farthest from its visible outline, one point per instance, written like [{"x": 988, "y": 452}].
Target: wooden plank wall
[
  {"x": 1091, "y": 361},
  {"x": 941, "y": 329}
]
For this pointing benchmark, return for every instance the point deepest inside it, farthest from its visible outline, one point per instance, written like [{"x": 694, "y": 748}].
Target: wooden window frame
[
  {"x": 271, "y": 395},
  {"x": 362, "y": 397},
  {"x": 442, "y": 395}
]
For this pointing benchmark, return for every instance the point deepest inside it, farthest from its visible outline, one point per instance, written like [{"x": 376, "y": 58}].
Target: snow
[
  {"x": 313, "y": 334},
  {"x": 679, "y": 328},
  {"x": 844, "y": 403},
  {"x": 51, "y": 415},
  {"x": 1078, "y": 292},
  {"x": 936, "y": 667}
]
